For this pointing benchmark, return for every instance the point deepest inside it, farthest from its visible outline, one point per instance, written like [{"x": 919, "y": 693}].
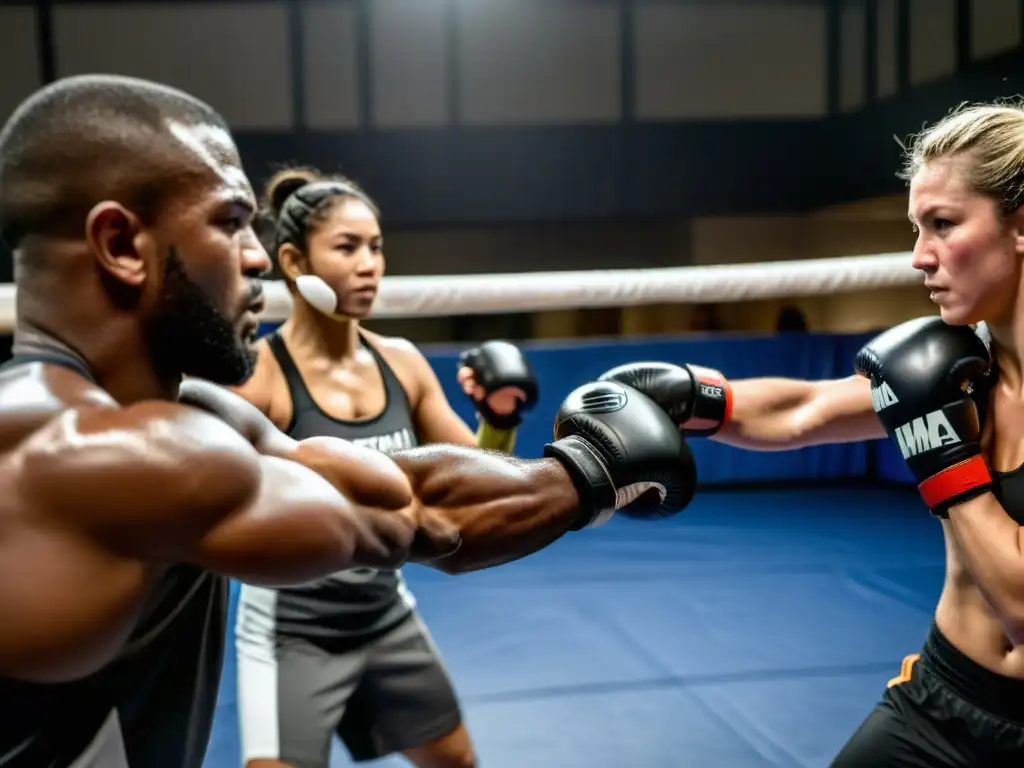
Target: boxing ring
[{"x": 754, "y": 630}]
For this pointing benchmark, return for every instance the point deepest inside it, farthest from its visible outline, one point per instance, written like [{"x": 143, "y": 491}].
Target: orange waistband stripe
[{"x": 906, "y": 670}]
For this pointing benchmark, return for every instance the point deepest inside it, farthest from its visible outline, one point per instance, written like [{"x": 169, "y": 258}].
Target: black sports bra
[{"x": 1008, "y": 487}]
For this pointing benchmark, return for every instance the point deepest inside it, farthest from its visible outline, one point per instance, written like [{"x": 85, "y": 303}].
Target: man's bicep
[
  {"x": 140, "y": 479},
  {"x": 295, "y": 527},
  {"x": 182, "y": 486},
  {"x": 96, "y": 503}
]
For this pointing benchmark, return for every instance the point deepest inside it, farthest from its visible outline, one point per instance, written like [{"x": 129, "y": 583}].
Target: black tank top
[
  {"x": 354, "y": 605},
  {"x": 154, "y": 702}
]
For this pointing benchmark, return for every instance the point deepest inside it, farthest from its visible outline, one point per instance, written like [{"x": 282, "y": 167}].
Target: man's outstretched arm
[
  {"x": 98, "y": 500},
  {"x": 162, "y": 483},
  {"x": 502, "y": 508}
]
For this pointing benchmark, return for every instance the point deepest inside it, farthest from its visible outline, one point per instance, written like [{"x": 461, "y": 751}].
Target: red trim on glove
[
  {"x": 952, "y": 481},
  {"x": 728, "y": 400},
  {"x": 711, "y": 378}
]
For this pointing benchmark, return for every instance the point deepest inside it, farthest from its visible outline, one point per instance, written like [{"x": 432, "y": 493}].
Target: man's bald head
[
  {"x": 91, "y": 138},
  {"x": 130, "y": 213}
]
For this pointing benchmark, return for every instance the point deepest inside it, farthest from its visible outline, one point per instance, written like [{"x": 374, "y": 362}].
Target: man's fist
[
  {"x": 923, "y": 375},
  {"x": 698, "y": 399},
  {"x": 623, "y": 453},
  {"x": 498, "y": 379}
]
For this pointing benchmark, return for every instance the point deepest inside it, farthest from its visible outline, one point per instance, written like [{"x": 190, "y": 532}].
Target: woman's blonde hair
[{"x": 989, "y": 136}]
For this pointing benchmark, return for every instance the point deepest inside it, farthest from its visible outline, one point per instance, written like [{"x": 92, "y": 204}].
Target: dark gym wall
[
  {"x": 921, "y": 58},
  {"x": 486, "y": 113},
  {"x": 481, "y": 111}
]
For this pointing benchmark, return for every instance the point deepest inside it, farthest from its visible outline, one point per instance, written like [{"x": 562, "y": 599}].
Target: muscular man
[
  {"x": 136, "y": 263},
  {"x": 952, "y": 399}
]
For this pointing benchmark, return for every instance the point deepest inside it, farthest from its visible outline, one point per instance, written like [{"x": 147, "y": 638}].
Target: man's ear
[
  {"x": 290, "y": 261},
  {"x": 118, "y": 242}
]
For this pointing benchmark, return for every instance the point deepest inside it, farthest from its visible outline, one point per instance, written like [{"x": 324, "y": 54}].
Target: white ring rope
[
  {"x": 443, "y": 295},
  {"x": 439, "y": 295}
]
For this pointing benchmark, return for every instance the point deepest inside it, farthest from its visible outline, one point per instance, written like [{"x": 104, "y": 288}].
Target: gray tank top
[
  {"x": 153, "y": 705},
  {"x": 353, "y": 605}
]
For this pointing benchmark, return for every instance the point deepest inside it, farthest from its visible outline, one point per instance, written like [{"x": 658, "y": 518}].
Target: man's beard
[{"x": 190, "y": 336}]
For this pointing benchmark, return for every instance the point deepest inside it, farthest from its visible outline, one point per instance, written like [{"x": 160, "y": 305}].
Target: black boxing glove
[
  {"x": 623, "y": 453},
  {"x": 698, "y": 399},
  {"x": 923, "y": 375},
  {"x": 498, "y": 364}
]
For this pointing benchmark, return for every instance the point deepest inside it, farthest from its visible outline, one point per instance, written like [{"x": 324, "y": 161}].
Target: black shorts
[{"x": 942, "y": 710}]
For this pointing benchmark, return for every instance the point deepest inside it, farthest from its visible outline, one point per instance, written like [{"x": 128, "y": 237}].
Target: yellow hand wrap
[{"x": 493, "y": 439}]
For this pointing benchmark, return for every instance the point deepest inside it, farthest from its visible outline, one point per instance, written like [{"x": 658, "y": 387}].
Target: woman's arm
[
  {"x": 436, "y": 420},
  {"x": 992, "y": 545},
  {"x": 773, "y": 414},
  {"x": 765, "y": 414}
]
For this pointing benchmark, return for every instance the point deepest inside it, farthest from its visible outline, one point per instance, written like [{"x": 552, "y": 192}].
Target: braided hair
[{"x": 297, "y": 200}]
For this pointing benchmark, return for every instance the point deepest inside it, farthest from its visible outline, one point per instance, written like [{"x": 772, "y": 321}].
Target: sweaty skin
[
  {"x": 502, "y": 508},
  {"x": 108, "y": 496},
  {"x": 781, "y": 414},
  {"x": 353, "y": 389},
  {"x": 345, "y": 243},
  {"x": 101, "y": 488}
]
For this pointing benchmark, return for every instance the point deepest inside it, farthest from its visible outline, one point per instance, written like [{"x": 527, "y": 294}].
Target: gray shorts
[{"x": 387, "y": 696}]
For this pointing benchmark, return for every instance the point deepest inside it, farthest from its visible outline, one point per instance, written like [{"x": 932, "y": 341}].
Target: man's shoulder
[
  {"x": 45, "y": 402},
  {"x": 228, "y": 406},
  {"x": 32, "y": 394}
]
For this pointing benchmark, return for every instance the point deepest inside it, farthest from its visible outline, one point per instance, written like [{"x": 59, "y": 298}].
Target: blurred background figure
[{"x": 791, "y": 320}]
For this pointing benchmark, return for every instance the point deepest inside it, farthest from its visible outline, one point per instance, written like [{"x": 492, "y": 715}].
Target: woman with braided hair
[{"x": 349, "y": 655}]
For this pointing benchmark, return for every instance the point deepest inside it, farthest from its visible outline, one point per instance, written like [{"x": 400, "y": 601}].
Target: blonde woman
[{"x": 953, "y": 398}]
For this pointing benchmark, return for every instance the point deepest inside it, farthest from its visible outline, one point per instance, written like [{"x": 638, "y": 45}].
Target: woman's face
[
  {"x": 970, "y": 252},
  {"x": 346, "y": 250}
]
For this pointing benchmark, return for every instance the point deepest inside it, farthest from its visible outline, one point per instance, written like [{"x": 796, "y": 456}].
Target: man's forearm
[
  {"x": 990, "y": 543},
  {"x": 504, "y": 508}
]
